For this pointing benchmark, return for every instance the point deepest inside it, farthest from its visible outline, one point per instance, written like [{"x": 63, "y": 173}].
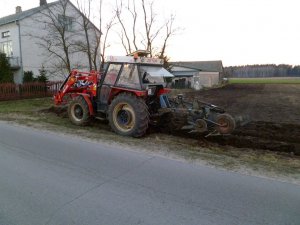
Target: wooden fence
[{"x": 9, "y": 91}]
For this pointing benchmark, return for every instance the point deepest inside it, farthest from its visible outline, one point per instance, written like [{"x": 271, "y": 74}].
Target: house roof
[
  {"x": 209, "y": 66},
  {"x": 21, "y": 15}
]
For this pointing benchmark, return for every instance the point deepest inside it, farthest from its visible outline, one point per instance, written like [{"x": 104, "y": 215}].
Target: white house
[
  {"x": 26, "y": 38},
  {"x": 197, "y": 74}
]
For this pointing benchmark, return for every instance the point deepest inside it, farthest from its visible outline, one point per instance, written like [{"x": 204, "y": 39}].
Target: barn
[{"x": 196, "y": 74}]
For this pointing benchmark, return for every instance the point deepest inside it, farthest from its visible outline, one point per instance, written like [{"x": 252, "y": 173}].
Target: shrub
[
  {"x": 28, "y": 77},
  {"x": 43, "y": 75},
  {"x": 6, "y": 75}
]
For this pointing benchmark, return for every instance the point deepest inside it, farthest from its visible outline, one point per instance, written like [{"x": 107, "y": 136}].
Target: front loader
[{"x": 131, "y": 94}]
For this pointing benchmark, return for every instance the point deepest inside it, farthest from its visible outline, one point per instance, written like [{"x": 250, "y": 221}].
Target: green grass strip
[{"x": 264, "y": 80}]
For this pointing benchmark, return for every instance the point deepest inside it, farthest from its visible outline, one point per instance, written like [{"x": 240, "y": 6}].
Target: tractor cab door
[
  {"x": 105, "y": 85},
  {"x": 118, "y": 75}
]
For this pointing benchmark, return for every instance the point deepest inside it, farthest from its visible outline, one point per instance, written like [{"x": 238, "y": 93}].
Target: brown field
[{"x": 272, "y": 112}]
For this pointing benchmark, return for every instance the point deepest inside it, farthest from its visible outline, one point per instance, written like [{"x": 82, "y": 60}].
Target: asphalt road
[{"x": 48, "y": 178}]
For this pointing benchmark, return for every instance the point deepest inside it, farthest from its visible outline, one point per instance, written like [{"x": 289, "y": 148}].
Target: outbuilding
[{"x": 197, "y": 74}]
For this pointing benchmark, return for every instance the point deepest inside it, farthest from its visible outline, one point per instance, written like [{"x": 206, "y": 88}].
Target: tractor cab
[{"x": 139, "y": 76}]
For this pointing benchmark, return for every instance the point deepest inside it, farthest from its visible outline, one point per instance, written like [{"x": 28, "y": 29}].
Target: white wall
[
  {"x": 205, "y": 79},
  {"x": 35, "y": 56}
]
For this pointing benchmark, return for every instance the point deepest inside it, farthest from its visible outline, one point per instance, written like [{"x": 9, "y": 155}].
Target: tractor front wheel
[
  {"x": 128, "y": 115},
  {"x": 78, "y": 112}
]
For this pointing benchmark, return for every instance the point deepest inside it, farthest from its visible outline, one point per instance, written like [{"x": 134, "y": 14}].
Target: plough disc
[{"x": 226, "y": 123}]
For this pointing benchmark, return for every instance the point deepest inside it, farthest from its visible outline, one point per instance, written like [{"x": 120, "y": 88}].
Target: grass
[
  {"x": 271, "y": 80},
  {"x": 30, "y": 113},
  {"x": 24, "y": 106}
]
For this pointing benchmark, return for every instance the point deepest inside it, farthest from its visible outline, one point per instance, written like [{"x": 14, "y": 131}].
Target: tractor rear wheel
[
  {"x": 78, "y": 112},
  {"x": 128, "y": 115},
  {"x": 226, "y": 123}
]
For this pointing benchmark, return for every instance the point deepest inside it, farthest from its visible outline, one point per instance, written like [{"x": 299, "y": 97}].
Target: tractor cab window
[
  {"x": 154, "y": 74},
  {"x": 112, "y": 74},
  {"x": 129, "y": 77}
]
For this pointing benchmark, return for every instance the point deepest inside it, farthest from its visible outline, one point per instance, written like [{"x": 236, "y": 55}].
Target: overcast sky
[{"x": 234, "y": 31}]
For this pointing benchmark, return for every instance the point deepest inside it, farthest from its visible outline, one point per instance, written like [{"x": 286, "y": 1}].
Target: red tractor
[{"x": 132, "y": 94}]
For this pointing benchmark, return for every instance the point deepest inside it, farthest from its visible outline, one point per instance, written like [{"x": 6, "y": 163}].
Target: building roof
[
  {"x": 209, "y": 66},
  {"x": 21, "y": 15}
]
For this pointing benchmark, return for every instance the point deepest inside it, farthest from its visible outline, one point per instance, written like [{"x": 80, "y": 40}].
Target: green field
[{"x": 271, "y": 80}]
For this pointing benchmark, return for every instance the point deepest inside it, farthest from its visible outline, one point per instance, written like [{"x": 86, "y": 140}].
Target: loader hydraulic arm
[{"x": 78, "y": 83}]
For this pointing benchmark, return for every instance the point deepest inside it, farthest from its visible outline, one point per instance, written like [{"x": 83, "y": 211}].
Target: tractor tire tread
[
  {"x": 141, "y": 111},
  {"x": 86, "y": 115}
]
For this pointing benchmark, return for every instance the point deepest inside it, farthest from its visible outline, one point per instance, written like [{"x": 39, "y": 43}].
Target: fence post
[
  {"x": 19, "y": 89},
  {"x": 45, "y": 89}
]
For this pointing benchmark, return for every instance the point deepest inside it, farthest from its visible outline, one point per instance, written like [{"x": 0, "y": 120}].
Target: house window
[
  {"x": 5, "y": 34},
  {"x": 66, "y": 22},
  {"x": 6, "y": 47}
]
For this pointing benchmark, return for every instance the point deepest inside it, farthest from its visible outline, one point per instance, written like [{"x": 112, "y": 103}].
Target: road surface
[{"x": 55, "y": 179}]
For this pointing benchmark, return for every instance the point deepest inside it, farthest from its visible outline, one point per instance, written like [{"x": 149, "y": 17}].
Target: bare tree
[
  {"x": 85, "y": 16},
  {"x": 151, "y": 32},
  {"x": 56, "y": 39},
  {"x": 149, "y": 19},
  {"x": 124, "y": 36},
  {"x": 169, "y": 31},
  {"x": 105, "y": 31},
  {"x": 69, "y": 37},
  {"x": 92, "y": 34}
]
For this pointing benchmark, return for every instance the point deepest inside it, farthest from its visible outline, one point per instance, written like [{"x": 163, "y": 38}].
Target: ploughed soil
[{"x": 267, "y": 115}]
